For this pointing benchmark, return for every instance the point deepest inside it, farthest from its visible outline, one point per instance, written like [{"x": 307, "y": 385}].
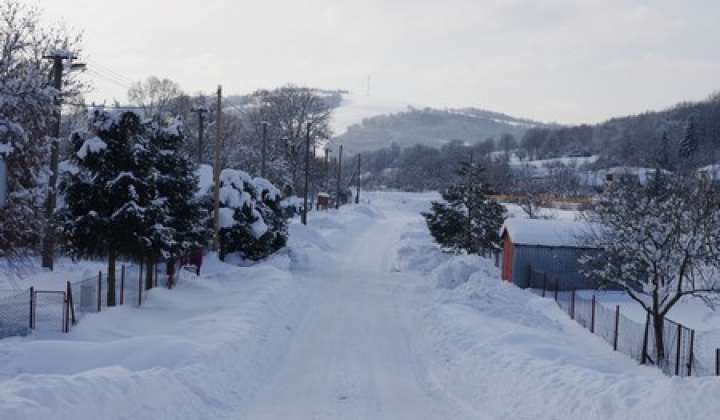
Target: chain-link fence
[
  {"x": 15, "y": 312},
  {"x": 635, "y": 339},
  {"x": 24, "y": 310}
]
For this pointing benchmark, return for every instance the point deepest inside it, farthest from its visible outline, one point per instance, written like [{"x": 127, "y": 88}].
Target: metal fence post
[
  {"x": 617, "y": 327},
  {"x": 140, "y": 283},
  {"x": 66, "y": 314},
  {"x": 544, "y": 284},
  {"x": 557, "y": 287},
  {"x": 717, "y": 362},
  {"x": 32, "y": 308},
  {"x": 692, "y": 352},
  {"x": 71, "y": 303},
  {"x": 572, "y": 305},
  {"x": 592, "y": 315},
  {"x": 99, "y": 296},
  {"x": 677, "y": 352},
  {"x": 122, "y": 284}
]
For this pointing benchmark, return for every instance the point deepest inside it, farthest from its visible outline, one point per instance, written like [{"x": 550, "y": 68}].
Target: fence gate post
[{"x": 71, "y": 303}]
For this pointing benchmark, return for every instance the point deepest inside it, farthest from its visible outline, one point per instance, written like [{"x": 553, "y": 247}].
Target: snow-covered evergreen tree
[
  {"x": 110, "y": 207},
  {"x": 178, "y": 214},
  {"x": 467, "y": 220}
]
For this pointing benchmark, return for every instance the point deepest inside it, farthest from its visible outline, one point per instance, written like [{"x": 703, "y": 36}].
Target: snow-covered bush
[{"x": 252, "y": 220}]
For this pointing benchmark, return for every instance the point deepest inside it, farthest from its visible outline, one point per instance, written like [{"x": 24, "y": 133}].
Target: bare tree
[
  {"x": 283, "y": 118},
  {"x": 660, "y": 244},
  {"x": 155, "y": 96}
]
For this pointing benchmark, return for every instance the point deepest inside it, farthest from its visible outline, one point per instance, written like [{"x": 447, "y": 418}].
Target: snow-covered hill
[{"x": 354, "y": 108}]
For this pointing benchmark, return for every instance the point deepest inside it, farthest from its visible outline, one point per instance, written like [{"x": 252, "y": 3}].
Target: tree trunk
[
  {"x": 658, "y": 324},
  {"x": 111, "y": 279}
]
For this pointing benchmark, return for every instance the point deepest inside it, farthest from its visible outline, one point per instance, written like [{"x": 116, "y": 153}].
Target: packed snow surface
[{"x": 361, "y": 317}]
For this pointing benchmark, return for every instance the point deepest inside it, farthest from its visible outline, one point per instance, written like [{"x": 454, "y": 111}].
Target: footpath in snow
[{"x": 360, "y": 318}]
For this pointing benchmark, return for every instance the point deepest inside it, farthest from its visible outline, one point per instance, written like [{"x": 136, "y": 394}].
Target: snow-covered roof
[{"x": 543, "y": 232}]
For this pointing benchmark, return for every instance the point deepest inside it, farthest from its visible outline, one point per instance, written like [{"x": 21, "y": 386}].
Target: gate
[{"x": 49, "y": 311}]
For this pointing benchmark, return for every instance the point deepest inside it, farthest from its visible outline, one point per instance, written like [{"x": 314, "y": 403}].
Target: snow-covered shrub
[{"x": 252, "y": 221}]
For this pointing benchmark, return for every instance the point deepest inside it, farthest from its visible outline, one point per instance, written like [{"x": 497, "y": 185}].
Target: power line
[{"x": 108, "y": 72}]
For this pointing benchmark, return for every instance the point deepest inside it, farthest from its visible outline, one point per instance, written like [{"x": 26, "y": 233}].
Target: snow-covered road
[
  {"x": 351, "y": 356},
  {"x": 361, "y": 317}
]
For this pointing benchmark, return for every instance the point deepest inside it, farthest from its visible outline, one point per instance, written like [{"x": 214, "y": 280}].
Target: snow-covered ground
[{"x": 360, "y": 318}]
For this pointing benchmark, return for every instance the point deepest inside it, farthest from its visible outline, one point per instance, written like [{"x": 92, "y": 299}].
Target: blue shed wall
[{"x": 559, "y": 263}]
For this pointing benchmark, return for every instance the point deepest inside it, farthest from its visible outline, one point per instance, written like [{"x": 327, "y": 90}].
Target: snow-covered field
[{"x": 360, "y": 318}]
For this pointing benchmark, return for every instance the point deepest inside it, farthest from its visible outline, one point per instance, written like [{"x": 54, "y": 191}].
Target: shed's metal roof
[{"x": 541, "y": 232}]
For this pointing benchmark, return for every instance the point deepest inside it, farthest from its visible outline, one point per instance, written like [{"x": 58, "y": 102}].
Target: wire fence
[
  {"x": 635, "y": 339},
  {"x": 14, "y": 313},
  {"x": 22, "y": 311}
]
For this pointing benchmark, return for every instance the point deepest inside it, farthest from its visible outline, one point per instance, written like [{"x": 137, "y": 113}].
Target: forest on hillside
[{"x": 684, "y": 137}]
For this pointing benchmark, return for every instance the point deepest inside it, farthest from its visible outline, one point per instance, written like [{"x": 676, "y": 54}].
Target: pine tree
[
  {"x": 109, "y": 196},
  {"x": 177, "y": 212},
  {"x": 689, "y": 144},
  {"x": 467, "y": 220}
]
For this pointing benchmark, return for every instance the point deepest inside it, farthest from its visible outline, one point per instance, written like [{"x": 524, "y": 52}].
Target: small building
[{"x": 552, "y": 247}]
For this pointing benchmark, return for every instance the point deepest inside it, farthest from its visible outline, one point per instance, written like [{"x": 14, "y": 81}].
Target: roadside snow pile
[
  {"x": 461, "y": 269},
  {"x": 416, "y": 252},
  {"x": 198, "y": 351},
  {"x": 508, "y": 353}
]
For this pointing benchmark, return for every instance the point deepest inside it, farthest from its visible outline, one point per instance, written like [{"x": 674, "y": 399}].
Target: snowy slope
[
  {"x": 361, "y": 318},
  {"x": 354, "y": 108}
]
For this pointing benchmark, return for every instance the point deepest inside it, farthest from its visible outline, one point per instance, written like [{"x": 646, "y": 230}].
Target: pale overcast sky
[{"x": 567, "y": 61}]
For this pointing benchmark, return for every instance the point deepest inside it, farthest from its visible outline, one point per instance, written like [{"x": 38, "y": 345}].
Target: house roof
[{"x": 542, "y": 232}]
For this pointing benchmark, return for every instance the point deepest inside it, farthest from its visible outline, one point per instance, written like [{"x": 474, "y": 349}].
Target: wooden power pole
[{"x": 216, "y": 170}]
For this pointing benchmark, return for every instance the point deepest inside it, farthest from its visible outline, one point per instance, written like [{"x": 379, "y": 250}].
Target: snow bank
[{"x": 508, "y": 353}]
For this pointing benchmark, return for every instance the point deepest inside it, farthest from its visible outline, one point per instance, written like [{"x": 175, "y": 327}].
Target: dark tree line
[{"x": 683, "y": 137}]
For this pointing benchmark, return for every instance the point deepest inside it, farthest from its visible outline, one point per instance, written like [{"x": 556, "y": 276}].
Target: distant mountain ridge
[{"x": 430, "y": 127}]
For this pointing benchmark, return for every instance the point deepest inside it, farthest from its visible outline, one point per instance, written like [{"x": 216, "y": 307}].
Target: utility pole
[
  {"x": 201, "y": 111},
  {"x": 216, "y": 169},
  {"x": 327, "y": 171},
  {"x": 307, "y": 174},
  {"x": 49, "y": 239},
  {"x": 339, "y": 177},
  {"x": 357, "y": 195}
]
